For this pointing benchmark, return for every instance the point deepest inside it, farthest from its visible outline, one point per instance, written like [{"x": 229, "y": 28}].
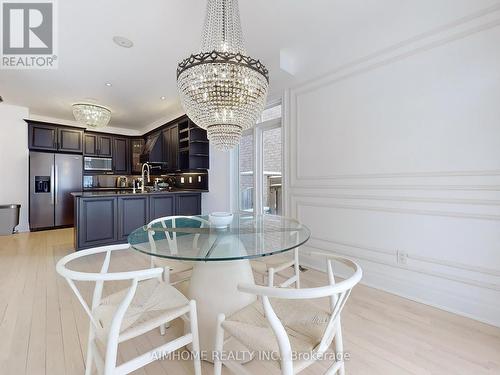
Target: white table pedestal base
[{"x": 214, "y": 287}]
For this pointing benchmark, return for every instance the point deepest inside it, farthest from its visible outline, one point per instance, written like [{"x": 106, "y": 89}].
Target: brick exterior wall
[{"x": 272, "y": 163}]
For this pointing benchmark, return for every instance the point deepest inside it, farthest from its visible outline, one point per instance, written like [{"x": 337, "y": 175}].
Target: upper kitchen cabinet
[
  {"x": 105, "y": 146},
  {"x": 136, "y": 147},
  {"x": 153, "y": 150},
  {"x": 49, "y": 137},
  {"x": 121, "y": 155},
  {"x": 193, "y": 146},
  {"x": 171, "y": 147},
  {"x": 180, "y": 144},
  {"x": 42, "y": 136},
  {"x": 98, "y": 145},
  {"x": 70, "y": 140}
]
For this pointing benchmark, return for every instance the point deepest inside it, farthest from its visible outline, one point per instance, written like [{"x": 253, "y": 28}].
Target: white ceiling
[{"x": 314, "y": 36}]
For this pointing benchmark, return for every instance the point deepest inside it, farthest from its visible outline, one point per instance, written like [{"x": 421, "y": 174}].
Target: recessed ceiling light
[
  {"x": 163, "y": 97},
  {"x": 109, "y": 84},
  {"x": 123, "y": 42}
]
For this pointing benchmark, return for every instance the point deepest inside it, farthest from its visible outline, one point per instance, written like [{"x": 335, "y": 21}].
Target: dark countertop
[{"x": 107, "y": 193}]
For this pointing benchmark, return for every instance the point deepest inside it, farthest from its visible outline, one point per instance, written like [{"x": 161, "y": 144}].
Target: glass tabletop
[{"x": 195, "y": 238}]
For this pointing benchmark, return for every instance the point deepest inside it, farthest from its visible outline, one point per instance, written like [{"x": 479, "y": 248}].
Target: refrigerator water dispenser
[{"x": 42, "y": 184}]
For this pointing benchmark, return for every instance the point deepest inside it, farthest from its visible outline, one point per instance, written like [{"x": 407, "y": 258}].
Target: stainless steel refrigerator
[{"x": 52, "y": 178}]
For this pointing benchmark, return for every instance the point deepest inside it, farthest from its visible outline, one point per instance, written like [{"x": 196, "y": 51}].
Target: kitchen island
[{"x": 108, "y": 217}]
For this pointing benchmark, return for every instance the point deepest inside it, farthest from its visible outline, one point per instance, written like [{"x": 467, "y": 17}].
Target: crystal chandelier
[
  {"x": 91, "y": 115},
  {"x": 222, "y": 89}
]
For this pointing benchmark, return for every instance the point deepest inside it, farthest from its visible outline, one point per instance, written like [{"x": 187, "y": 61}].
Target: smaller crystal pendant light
[
  {"x": 91, "y": 115},
  {"x": 221, "y": 88}
]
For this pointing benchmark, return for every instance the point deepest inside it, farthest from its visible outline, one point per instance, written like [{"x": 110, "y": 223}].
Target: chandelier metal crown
[{"x": 222, "y": 89}]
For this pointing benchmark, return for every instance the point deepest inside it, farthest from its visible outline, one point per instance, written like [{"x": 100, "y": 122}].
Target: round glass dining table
[{"x": 220, "y": 257}]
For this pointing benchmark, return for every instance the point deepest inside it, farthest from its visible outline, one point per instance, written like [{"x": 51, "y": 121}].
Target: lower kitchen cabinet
[
  {"x": 161, "y": 206},
  {"x": 96, "y": 220},
  {"x": 133, "y": 212},
  {"x": 105, "y": 220},
  {"x": 188, "y": 204}
]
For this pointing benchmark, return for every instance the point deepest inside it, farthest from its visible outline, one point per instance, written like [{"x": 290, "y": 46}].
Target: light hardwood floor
[{"x": 43, "y": 328}]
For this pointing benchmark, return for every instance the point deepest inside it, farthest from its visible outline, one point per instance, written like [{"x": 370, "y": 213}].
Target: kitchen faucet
[{"x": 145, "y": 167}]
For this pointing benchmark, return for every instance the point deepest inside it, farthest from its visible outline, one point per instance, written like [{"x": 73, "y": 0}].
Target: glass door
[
  {"x": 246, "y": 173},
  {"x": 271, "y": 172},
  {"x": 259, "y": 166}
]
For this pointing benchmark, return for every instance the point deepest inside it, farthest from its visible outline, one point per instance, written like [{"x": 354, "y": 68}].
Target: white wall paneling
[
  {"x": 218, "y": 199},
  {"x": 398, "y": 153}
]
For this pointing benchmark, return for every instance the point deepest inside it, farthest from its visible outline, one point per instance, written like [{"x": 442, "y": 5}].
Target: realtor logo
[{"x": 28, "y": 34}]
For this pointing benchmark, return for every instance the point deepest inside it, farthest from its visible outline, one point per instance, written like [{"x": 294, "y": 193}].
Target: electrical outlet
[{"x": 402, "y": 257}]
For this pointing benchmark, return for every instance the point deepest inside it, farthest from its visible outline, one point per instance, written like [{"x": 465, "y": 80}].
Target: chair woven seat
[
  {"x": 261, "y": 265},
  {"x": 286, "y": 328},
  {"x": 146, "y": 304},
  {"x": 304, "y": 322},
  {"x": 152, "y": 300}
]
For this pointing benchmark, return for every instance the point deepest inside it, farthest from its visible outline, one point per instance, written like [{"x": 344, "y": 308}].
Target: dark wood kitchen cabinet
[
  {"x": 49, "y": 137},
  {"x": 156, "y": 152},
  {"x": 136, "y": 147},
  {"x": 161, "y": 206},
  {"x": 42, "y": 137},
  {"x": 69, "y": 140},
  {"x": 105, "y": 146},
  {"x": 121, "y": 155},
  {"x": 188, "y": 204},
  {"x": 104, "y": 220},
  {"x": 171, "y": 147},
  {"x": 194, "y": 150},
  {"x": 90, "y": 147},
  {"x": 97, "y": 221},
  {"x": 98, "y": 145},
  {"x": 180, "y": 143},
  {"x": 133, "y": 212}
]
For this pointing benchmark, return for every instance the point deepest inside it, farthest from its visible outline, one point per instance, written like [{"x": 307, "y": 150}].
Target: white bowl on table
[{"x": 220, "y": 220}]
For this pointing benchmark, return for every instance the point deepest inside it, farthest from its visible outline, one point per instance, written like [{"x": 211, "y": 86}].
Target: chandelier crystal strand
[
  {"x": 91, "y": 115},
  {"x": 222, "y": 89}
]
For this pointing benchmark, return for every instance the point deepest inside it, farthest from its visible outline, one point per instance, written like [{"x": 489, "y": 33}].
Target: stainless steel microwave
[{"x": 97, "y": 164}]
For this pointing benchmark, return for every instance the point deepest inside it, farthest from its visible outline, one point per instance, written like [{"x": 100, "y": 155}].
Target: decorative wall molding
[
  {"x": 433, "y": 187},
  {"x": 487, "y": 311},
  {"x": 429, "y": 174},
  {"x": 466, "y": 201},
  {"x": 400, "y": 51},
  {"x": 420, "y": 270},
  {"x": 441, "y": 262},
  {"x": 477, "y": 19},
  {"x": 412, "y": 211},
  {"x": 459, "y": 189}
]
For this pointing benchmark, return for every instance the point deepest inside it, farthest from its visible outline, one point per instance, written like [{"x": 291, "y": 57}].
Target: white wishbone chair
[
  {"x": 273, "y": 265},
  {"x": 171, "y": 267},
  {"x": 145, "y": 305},
  {"x": 285, "y": 322}
]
